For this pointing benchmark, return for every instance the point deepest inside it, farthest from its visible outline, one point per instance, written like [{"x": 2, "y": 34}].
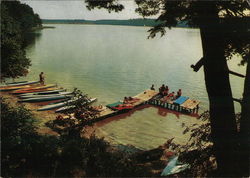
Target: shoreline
[
  {"x": 41, "y": 117},
  {"x": 44, "y": 116},
  {"x": 112, "y": 25},
  {"x": 42, "y": 27}
]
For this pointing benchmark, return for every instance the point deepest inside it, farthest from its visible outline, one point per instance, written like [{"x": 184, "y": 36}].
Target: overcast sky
[{"x": 62, "y": 9}]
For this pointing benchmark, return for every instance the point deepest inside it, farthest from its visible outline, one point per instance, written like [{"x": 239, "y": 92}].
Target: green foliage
[
  {"x": 16, "y": 19},
  {"x": 18, "y": 133},
  {"x": 110, "y": 5},
  {"x": 93, "y": 156},
  {"x": 23, "y": 149},
  {"x": 80, "y": 115}
]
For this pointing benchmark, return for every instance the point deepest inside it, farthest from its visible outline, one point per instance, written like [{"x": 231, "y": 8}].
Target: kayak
[
  {"x": 10, "y": 88},
  {"x": 9, "y": 83},
  {"x": 56, "y": 105},
  {"x": 65, "y": 108},
  {"x": 33, "y": 89},
  {"x": 44, "y": 92},
  {"x": 45, "y": 95},
  {"x": 49, "y": 98},
  {"x": 19, "y": 83},
  {"x": 174, "y": 167}
]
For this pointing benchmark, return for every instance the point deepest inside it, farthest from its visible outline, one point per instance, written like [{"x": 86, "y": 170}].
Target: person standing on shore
[{"x": 42, "y": 78}]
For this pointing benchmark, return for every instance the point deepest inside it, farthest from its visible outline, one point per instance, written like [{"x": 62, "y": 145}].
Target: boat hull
[
  {"x": 45, "y": 98},
  {"x": 35, "y": 89}
]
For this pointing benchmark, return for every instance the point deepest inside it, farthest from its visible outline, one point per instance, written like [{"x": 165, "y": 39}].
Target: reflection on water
[
  {"x": 30, "y": 38},
  {"x": 110, "y": 62}
]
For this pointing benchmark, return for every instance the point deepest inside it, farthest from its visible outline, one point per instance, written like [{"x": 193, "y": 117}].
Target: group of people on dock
[{"x": 164, "y": 92}]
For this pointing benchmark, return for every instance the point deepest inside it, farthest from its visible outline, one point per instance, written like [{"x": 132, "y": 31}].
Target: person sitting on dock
[
  {"x": 125, "y": 100},
  {"x": 152, "y": 87},
  {"x": 178, "y": 93},
  {"x": 42, "y": 78},
  {"x": 165, "y": 92},
  {"x": 171, "y": 96},
  {"x": 161, "y": 89}
]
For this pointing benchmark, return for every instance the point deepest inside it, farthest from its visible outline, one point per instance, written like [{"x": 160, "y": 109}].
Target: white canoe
[
  {"x": 45, "y": 95},
  {"x": 55, "y": 105},
  {"x": 91, "y": 100},
  {"x": 49, "y": 98}
]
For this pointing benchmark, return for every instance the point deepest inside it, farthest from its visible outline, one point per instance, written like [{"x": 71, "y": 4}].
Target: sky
[{"x": 75, "y": 9}]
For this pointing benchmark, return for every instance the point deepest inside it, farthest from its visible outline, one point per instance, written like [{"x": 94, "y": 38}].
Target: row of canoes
[{"x": 32, "y": 91}]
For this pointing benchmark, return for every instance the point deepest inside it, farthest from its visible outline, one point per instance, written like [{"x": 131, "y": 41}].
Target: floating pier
[
  {"x": 188, "y": 106},
  {"x": 141, "y": 98},
  {"x": 182, "y": 104}
]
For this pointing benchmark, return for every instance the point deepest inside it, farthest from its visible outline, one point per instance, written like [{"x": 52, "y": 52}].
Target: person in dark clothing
[
  {"x": 165, "y": 92},
  {"x": 42, "y": 78},
  {"x": 161, "y": 89},
  {"x": 178, "y": 93},
  {"x": 152, "y": 87}
]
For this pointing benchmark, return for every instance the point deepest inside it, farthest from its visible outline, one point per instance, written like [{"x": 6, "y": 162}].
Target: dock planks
[
  {"x": 190, "y": 104},
  {"x": 145, "y": 96}
]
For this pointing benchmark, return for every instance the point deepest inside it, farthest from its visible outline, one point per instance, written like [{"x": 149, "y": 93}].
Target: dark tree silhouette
[
  {"x": 16, "y": 20},
  {"x": 224, "y": 30}
]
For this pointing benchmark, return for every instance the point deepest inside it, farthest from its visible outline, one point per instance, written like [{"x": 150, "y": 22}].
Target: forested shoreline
[{"x": 16, "y": 20}]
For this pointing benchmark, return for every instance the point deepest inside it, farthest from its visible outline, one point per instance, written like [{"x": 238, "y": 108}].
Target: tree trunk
[
  {"x": 244, "y": 135},
  {"x": 221, "y": 106}
]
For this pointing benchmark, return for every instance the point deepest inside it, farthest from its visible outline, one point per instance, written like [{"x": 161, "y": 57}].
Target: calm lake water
[{"x": 110, "y": 62}]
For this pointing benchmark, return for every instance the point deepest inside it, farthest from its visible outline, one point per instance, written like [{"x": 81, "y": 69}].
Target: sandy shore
[{"x": 41, "y": 116}]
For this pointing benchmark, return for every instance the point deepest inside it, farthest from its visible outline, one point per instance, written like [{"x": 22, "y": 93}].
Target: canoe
[
  {"x": 65, "y": 108},
  {"x": 11, "y": 88},
  {"x": 44, "y": 92},
  {"x": 33, "y": 89},
  {"x": 45, "y": 95},
  {"x": 174, "y": 167},
  {"x": 49, "y": 98},
  {"x": 55, "y": 105},
  {"x": 9, "y": 83},
  {"x": 20, "y": 84}
]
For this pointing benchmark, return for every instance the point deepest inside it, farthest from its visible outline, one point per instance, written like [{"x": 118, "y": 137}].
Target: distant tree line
[
  {"x": 16, "y": 20},
  {"x": 129, "y": 22}
]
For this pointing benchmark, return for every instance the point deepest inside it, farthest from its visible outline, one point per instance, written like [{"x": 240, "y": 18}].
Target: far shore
[
  {"x": 42, "y": 27},
  {"x": 111, "y": 25}
]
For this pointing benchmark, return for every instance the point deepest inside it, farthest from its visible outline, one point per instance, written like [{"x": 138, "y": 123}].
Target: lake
[{"x": 110, "y": 62}]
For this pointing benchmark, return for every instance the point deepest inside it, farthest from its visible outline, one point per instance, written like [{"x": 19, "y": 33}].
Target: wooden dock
[
  {"x": 142, "y": 98},
  {"x": 189, "y": 106},
  {"x": 150, "y": 97}
]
